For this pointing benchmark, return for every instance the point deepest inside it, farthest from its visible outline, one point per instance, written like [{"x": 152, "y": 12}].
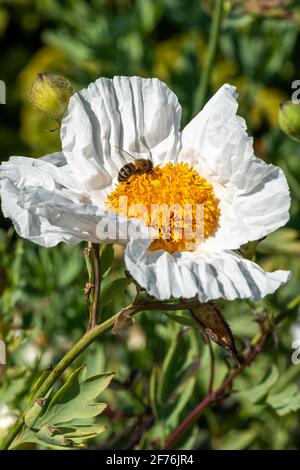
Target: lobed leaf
[{"x": 66, "y": 420}]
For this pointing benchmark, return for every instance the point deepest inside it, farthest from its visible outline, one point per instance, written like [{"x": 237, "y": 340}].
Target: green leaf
[
  {"x": 184, "y": 394},
  {"x": 171, "y": 370},
  {"x": 77, "y": 399},
  {"x": 61, "y": 438},
  {"x": 83, "y": 431},
  {"x": 176, "y": 381},
  {"x": 256, "y": 394},
  {"x": 31, "y": 437},
  {"x": 238, "y": 440},
  {"x": 149, "y": 12},
  {"x": 284, "y": 241},
  {"x": 36, "y": 385},
  {"x": 294, "y": 303},
  {"x": 66, "y": 392},
  {"x": 153, "y": 390},
  {"x": 12, "y": 389},
  {"x": 111, "y": 290},
  {"x": 285, "y": 401},
  {"x": 66, "y": 419},
  {"x": 71, "y": 266},
  {"x": 106, "y": 260},
  {"x": 55, "y": 436},
  {"x": 183, "y": 318}
]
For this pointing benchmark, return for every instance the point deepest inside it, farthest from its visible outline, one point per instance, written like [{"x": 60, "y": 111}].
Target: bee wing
[{"x": 124, "y": 151}]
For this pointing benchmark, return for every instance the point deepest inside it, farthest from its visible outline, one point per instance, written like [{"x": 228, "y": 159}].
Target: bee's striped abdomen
[{"x": 126, "y": 171}]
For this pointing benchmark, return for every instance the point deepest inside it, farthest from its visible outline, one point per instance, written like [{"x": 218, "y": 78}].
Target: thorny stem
[
  {"x": 215, "y": 395},
  {"x": 210, "y": 57},
  {"x": 89, "y": 337},
  {"x": 97, "y": 286},
  {"x": 93, "y": 287}
]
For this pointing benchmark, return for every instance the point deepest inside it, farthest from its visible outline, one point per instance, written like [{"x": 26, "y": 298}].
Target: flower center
[{"x": 175, "y": 200}]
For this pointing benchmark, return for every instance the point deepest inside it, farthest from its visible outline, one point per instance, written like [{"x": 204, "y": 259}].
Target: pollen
[{"x": 175, "y": 200}]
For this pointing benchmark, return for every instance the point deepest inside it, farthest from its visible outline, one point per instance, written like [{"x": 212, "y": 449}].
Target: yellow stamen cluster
[{"x": 174, "y": 185}]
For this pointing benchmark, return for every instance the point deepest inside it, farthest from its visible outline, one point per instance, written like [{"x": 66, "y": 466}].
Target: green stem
[
  {"x": 79, "y": 347},
  {"x": 93, "y": 287},
  {"x": 94, "y": 307},
  {"x": 214, "y": 34}
]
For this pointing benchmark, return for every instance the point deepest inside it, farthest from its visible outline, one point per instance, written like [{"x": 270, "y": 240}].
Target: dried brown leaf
[{"x": 216, "y": 327}]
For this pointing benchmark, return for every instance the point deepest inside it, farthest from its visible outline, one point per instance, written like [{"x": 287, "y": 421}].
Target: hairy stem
[
  {"x": 94, "y": 307},
  {"x": 210, "y": 57}
]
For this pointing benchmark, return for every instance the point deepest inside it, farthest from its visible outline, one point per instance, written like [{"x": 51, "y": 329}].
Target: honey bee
[{"x": 138, "y": 166}]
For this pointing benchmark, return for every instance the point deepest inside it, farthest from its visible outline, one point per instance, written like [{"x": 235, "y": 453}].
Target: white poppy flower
[{"x": 72, "y": 196}]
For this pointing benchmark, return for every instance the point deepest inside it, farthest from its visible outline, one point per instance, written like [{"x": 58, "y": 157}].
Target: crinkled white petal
[
  {"x": 209, "y": 276},
  {"x": 50, "y": 172},
  {"x": 254, "y": 197},
  {"x": 140, "y": 116},
  {"x": 48, "y": 205}
]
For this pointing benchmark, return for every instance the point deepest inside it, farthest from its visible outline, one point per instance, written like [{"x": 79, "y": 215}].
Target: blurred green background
[{"x": 42, "y": 305}]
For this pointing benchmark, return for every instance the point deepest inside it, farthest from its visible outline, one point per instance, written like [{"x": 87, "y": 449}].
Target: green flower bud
[
  {"x": 51, "y": 94},
  {"x": 289, "y": 119}
]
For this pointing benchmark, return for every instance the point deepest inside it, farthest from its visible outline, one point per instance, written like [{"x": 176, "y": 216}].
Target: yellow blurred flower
[
  {"x": 4, "y": 20},
  {"x": 265, "y": 106},
  {"x": 169, "y": 54}
]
